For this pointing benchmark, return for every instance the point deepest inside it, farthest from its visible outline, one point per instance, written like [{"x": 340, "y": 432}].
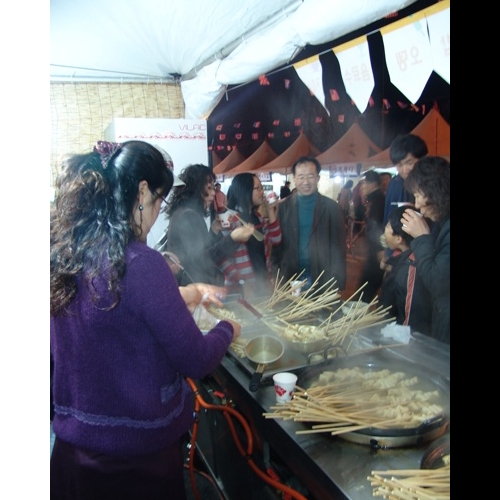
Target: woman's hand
[
  {"x": 414, "y": 223},
  {"x": 202, "y": 293},
  {"x": 236, "y": 328},
  {"x": 272, "y": 210},
  {"x": 216, "y": 226},
  {"x": 242, "y": 234}
]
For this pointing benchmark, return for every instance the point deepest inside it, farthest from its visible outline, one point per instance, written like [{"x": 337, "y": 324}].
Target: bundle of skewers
[
  {"x": 412, "y": 484},
  {"x": 348, "y": 400},
  {"x": 294, "y": 305},
  {"x": 335, "y": 332}
]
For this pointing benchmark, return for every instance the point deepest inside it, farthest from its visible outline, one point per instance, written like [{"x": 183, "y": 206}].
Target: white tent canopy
[{"x": 206, "y": 44}]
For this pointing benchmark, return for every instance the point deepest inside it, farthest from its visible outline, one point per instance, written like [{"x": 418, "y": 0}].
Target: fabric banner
[
  {"x": 311, "y": 73},
  {"x": 438, "y": 20},
  {"x": 408, "y": 55},
  {"x": 356, "y": 67}
]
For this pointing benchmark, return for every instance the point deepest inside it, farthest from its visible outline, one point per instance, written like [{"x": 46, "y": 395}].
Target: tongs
[{"x": 256, "y": 234}]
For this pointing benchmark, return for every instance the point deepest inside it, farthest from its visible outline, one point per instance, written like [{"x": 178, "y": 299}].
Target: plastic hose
[{"x": 229, "y": 412}]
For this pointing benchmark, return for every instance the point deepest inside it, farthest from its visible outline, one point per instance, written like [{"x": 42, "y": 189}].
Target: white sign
[{"x": 184, "y": 140}]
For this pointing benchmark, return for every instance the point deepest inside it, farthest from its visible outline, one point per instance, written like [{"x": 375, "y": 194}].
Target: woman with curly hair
[
  {"x": 122, "y": 334},
  {"x": 197, "y": 246},
  {"x": 429, "y": 182}
]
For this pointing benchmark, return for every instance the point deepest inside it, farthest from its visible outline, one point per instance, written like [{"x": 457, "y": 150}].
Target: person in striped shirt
[{"x": 248, "y": 270}]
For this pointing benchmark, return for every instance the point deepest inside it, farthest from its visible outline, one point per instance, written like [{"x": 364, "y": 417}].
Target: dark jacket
[
  {"x": 327, "y": 241},
  {"x": 372, "y": 275},
  {"x": 197, "y": 247},
  {"x": 396, "y": 193},
  {"x": 433, "y": 267},
  {"x": 409, "y": 299}
]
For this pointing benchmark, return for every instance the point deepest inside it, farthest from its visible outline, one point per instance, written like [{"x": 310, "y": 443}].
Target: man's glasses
[{"x": 302, "y": 178}]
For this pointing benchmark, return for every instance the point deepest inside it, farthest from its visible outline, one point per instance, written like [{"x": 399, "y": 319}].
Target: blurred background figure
[
  {"x": 345, "y": 197},
  {"x": 358, "y": 204},
  {"x": 219, "y": 199},
  {"x": 372, "y": 274},
  {"x": 285, "y": 190},
  {"x": 385, "y": 178}
]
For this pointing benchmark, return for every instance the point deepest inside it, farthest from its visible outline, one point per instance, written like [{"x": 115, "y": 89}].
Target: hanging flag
[
  {"x": 408, "y": 54},
  {"x": 311, "y": 73},
  {"x": 263, "y": 80},
  {"x": 356, "y": 67},
  {"x": 334, "y": 95},
  {"x": 438, "y": 20}
]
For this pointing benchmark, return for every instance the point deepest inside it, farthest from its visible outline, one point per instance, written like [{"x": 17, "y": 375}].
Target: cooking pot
[{"x": 262, "y": 350}]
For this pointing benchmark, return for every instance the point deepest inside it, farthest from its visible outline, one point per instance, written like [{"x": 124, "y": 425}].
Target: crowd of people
[{"x": 121, "y": 312}]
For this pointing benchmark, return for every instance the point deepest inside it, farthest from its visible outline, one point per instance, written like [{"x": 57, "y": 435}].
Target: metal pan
[{"x": 262, "y": 350}]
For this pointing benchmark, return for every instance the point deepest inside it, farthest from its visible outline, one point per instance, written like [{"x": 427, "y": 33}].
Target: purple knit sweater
[{"x": 119, "y": 375}]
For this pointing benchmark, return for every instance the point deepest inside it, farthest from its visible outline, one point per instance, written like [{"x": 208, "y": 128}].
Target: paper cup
[
  {"x": 224, "y": 219},
  {"x": 296, "y": 289},
  {"x": 272, "y": 198},
  {"x": 284, "y": 385}
]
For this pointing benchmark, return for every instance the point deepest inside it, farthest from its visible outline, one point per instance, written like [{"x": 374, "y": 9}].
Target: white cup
[
  {"x": 296, "y": 288},
  {"x": 284, "y": 385},
  {"x": 224, "y": 219},
  {"x": 272, "y": 198}
]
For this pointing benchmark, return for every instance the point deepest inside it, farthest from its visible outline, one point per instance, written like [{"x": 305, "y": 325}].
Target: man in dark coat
[
  {"x": 313, "y": 231},
  {"x": 285, "y": 190}
]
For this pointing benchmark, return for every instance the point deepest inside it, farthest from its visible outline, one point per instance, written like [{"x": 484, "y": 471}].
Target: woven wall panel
[{"x": 80, "y": 112}]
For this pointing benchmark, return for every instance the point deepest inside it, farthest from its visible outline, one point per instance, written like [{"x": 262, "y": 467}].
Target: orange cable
[{"x": 228, "y": 412}]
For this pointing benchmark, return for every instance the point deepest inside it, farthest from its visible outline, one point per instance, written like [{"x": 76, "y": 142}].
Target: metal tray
[{"x": 394, "y": 437}]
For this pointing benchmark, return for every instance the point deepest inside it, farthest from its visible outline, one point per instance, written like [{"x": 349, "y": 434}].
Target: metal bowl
[{"x": 308, "y": 347}]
